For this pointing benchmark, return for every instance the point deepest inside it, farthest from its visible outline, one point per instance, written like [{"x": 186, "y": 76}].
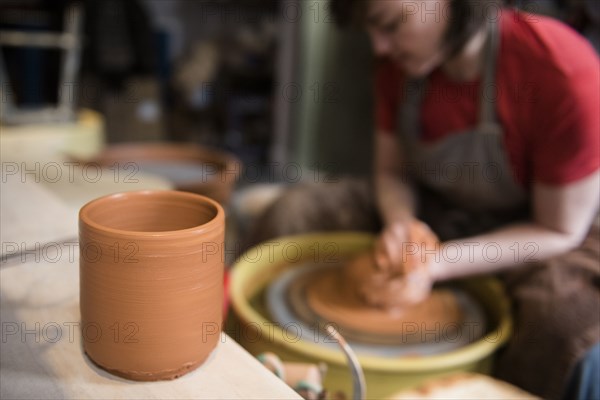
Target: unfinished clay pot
[{"x": 151, "y": 282}]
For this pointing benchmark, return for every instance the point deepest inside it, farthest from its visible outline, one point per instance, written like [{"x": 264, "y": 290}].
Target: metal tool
[{"x": 359, "y": 387}]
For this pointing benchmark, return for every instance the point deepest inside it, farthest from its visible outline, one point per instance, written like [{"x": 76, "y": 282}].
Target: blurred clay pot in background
[
  {"x": 151, "y": 282},
  {"x": 190, "y": 167}
]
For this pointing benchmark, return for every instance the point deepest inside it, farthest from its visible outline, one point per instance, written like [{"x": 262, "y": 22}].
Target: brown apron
[
  {"x": 467, "y": 187},
  {"x": 465, "y": 181}
]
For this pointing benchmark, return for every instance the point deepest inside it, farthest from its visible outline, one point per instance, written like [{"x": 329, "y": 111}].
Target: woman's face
[{"x": 410, "y": 32}]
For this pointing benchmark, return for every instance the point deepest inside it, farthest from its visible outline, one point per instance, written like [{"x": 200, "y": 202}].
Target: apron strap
[
  {"x": 415, "y": 91},
  {"x": 488, "y": 93},
  {"x": 410, "y": 112}
]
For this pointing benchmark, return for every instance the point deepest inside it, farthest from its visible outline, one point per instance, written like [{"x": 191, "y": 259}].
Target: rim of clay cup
[{"x": 207, "y": 226}]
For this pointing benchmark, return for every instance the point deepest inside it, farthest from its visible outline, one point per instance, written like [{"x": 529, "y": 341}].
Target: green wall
[{"x": 333, "y": 121}]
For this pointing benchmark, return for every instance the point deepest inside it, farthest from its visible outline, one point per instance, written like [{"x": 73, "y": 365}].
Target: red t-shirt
[{"x": 548, "y": 100}]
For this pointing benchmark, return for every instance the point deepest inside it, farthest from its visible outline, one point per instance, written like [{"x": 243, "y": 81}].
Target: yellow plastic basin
[{"x": 251, "y": 327}]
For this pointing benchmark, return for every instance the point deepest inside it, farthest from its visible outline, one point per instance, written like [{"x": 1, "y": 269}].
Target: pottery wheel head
[{"x": 326, "y": 295}]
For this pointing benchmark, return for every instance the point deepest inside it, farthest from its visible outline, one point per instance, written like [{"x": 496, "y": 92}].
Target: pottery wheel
[
  {"x": 321, "y": 296},
  {"x": 311, "y": 296}
]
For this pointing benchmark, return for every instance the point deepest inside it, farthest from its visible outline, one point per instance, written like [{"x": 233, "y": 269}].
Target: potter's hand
[
  {"x": 404, "y": 246},
  {"x": 403, "y": 255}
]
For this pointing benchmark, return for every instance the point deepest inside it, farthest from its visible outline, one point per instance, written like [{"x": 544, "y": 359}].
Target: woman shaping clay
[{"x": 487, "y": 134}]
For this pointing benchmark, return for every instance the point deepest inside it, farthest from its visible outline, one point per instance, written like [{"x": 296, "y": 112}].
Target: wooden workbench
[{"x": 41, "y": 354}]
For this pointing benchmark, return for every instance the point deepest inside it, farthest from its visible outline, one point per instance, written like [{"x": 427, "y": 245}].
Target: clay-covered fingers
[
  {"x": 383, "y": 291},
  {"x": 389, "y": 247},
  {"x": 420, "y": 247},
  {"x": 417, "y": 286},
  {"x": 401, "y": 276},
  {"x": 419, "y": 250},
  {"x": 410, "y": 273},
  {"x": 404, "y": 247}
]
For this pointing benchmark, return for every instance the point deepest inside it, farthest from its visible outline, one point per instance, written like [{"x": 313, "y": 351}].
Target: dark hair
[{"x": 466, "y": 17}]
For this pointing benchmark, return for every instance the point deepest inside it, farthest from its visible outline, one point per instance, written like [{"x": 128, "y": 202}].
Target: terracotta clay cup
[{"x": 151, "y": 282}]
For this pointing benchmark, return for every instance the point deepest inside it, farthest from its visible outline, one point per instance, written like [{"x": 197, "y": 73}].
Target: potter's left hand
[
  {"x": 403, "y": 255},
  {"x": 403, "y": 247}
]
